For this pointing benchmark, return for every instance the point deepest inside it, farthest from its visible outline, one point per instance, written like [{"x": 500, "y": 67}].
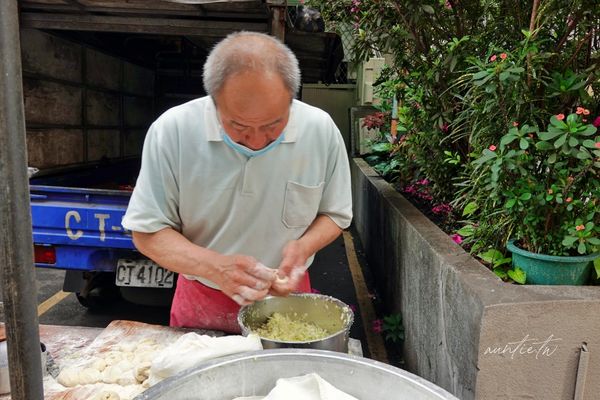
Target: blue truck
[{"x": 76, "y": 217}]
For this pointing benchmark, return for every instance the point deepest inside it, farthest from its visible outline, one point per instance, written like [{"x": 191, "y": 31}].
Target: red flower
[
  {"x": 377, "y": 326},
  {"x": 596, "y": 122},
  {"x": 456, "y": 238},
  {"x": 493, "y": 58},
  {"x": 597, "y": 145},
  {"x": 492, "y": 147},
  {"x": 560, "y": 117},
  {"x": 503, "y": 56}
]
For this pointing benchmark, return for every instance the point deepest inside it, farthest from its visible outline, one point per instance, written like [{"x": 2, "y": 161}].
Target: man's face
[{"x": 254, "y": 108}]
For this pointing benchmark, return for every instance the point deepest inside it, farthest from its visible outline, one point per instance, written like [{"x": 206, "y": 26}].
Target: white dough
[
  {"x": 89, "y": 376},
  {"x": 99, "y": 364},
  {"x": 107, "y": 395},
  {"x": 142, "y": 372},
  {"x": 68, "y": 376},
  {"x": 113, "y": 357}
]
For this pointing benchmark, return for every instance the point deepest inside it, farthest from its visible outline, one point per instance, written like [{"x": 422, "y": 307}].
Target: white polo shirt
[{"x": 191, "y": 181}]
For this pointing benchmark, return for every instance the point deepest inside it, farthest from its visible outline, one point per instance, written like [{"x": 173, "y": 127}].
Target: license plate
[{"x": 143, "y": 273}]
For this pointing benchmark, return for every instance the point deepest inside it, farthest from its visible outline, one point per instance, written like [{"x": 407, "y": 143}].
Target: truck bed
[{"x": 77, "y": 212}]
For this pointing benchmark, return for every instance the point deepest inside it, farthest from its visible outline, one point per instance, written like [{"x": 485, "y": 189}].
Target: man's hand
[
  {"x": 243, "y": 278},
  {"x": 291, "y": 270}
]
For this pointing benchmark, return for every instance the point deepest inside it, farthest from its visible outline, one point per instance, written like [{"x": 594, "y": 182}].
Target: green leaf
[
  {"x": 470, "y": 208},
  {"x": 594, "y": 241},
  {"x": 550, "y": 135},
  {"x": 584, "y": 154},
  {"x": 560, "y": 141},
  {"x": 491, "y": 256},
  {"x": 466, "y": 231},
  {"x": 590, "y": 144},
  {"x": 510, "y": 203},
  {"x": 557, "y": 123},
  {"x": 479, "y": 75},
  {"x": 506, "y": 139},
  {"x": 501, "y": 273},
  {"x": 597, "y": 267},
  {"x": 504, "y": 76},
  {"x": 523, "y": 144},
  {"x": 525, "y": 196},
  {"x": 581, "y": 248},
  {"x": 588, "y": 131},
  {"x": 568, "y": 241},
  {"x": 517, "y": 275},
  {"x": 552, "y": 158},
  {"x": 543, "y": 146},
  {"x": 573, "y": 141},
  {"x": 428, "y": 9}
]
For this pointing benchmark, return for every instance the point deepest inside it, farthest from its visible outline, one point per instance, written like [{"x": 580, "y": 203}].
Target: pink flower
[
  {"x": 444, "y": 127},
  {"x": 492, "y": 147},
  {"x": 448, "y": 5},
  {"x": 580, "y": 110},
  {"x": 597, "y": 145},
  {"x": 456, "y": 238},
  {"x": 583, "y": 120},
  {"x": 580, "y": 227},
  {"x": 560, "y": 117},
  {"x": 503, "y": 56},
  {"x": 443, "y": 208},
  {"x": 569, "y": 199},
  {"x": 596, "y": 122},
  {"x": 423, "y": 182},
  {"x": 493, "y": 58},
  {"x": 550, "y": 191},
  {"x": 515, "y": 124},
  {"x": 586, "y": 111},
  {"x": 377, "y": 326}
]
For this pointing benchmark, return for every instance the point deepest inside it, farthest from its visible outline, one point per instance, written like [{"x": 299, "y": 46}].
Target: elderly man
[{"x": 239, "y": 189}]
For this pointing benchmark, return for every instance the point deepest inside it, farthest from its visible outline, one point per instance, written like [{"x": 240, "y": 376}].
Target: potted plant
[{"x": 541, "y": 188}]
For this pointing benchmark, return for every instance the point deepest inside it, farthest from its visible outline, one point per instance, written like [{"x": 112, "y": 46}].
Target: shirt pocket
[{"x": 301, "y": 204}]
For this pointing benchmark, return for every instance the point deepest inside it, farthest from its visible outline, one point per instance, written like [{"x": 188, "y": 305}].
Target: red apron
[{"x": 196, "y": 305}]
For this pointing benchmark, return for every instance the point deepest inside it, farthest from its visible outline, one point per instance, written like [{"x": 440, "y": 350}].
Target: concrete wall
[
  {"x": 466, "y": 330},
  {"x": 81, "y": 105}
]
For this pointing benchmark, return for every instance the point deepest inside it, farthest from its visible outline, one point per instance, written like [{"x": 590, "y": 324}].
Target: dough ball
[
  {"x": 89, "y": 376},
  {"x": 113, "y": 357},
  {"x": 111, "y": 374},
  {"x": 107, "y": 395},
  {"x": 128, "y": 347},
  {"x": 142, "y": 372},
  {"x": 99, "y": 364},
  {"x": 142, "y": 357},
  {"x": 68, "y": 377}
]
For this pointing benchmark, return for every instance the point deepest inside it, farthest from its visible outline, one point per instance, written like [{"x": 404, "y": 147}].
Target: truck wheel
[{"x": 99, "y": 291}]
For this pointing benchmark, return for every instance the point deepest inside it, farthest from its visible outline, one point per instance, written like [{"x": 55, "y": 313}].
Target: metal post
[
  {"x": 17, "y": 275},
  {"x": 278, "y": 10}
]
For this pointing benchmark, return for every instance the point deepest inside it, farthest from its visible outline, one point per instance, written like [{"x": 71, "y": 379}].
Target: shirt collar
[{"x": 213, "y": 127}]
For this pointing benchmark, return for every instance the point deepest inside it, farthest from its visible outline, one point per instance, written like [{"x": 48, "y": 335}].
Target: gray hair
[{"x": 250, "y": 51}]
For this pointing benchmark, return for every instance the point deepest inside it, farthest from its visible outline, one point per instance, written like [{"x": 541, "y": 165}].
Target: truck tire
[{"x": 99, "y": 290}]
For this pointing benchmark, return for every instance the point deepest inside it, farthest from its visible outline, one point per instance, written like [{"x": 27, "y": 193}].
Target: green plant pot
[{"x": 543, "y": 269}]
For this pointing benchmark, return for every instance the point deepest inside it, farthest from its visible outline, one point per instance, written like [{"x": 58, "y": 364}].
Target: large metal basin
[
  {"x": 326, "y": 312},
  {"x": 255, "y": 373}
]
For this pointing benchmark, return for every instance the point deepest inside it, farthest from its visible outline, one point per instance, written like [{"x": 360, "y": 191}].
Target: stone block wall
[
  {"x": 82, "y": 105},
  {"x": 466, "y": 330}
]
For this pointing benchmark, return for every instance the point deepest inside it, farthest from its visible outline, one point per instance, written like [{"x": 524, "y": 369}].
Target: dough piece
[
  {"x": 107, "y": 395},
  {"x": 142, "y": 372},
  {"x": 69, "y": 376},
  {"x": 144, "y": 356},
  {"x": 89, "y": 375},
  {"x": 128, "y": 347},
  {"x": 99, "y": 364},
  {"x": 111, "y": 374},
  {"x": 113, "y": 357}
]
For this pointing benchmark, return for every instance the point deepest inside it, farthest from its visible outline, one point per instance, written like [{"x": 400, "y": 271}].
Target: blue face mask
[{"x": 249, "y": 152}]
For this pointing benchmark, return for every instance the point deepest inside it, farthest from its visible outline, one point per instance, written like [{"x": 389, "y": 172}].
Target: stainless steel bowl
[
  {"x": 326, "y": 312},
  {"x": 255, "y": 374}
]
